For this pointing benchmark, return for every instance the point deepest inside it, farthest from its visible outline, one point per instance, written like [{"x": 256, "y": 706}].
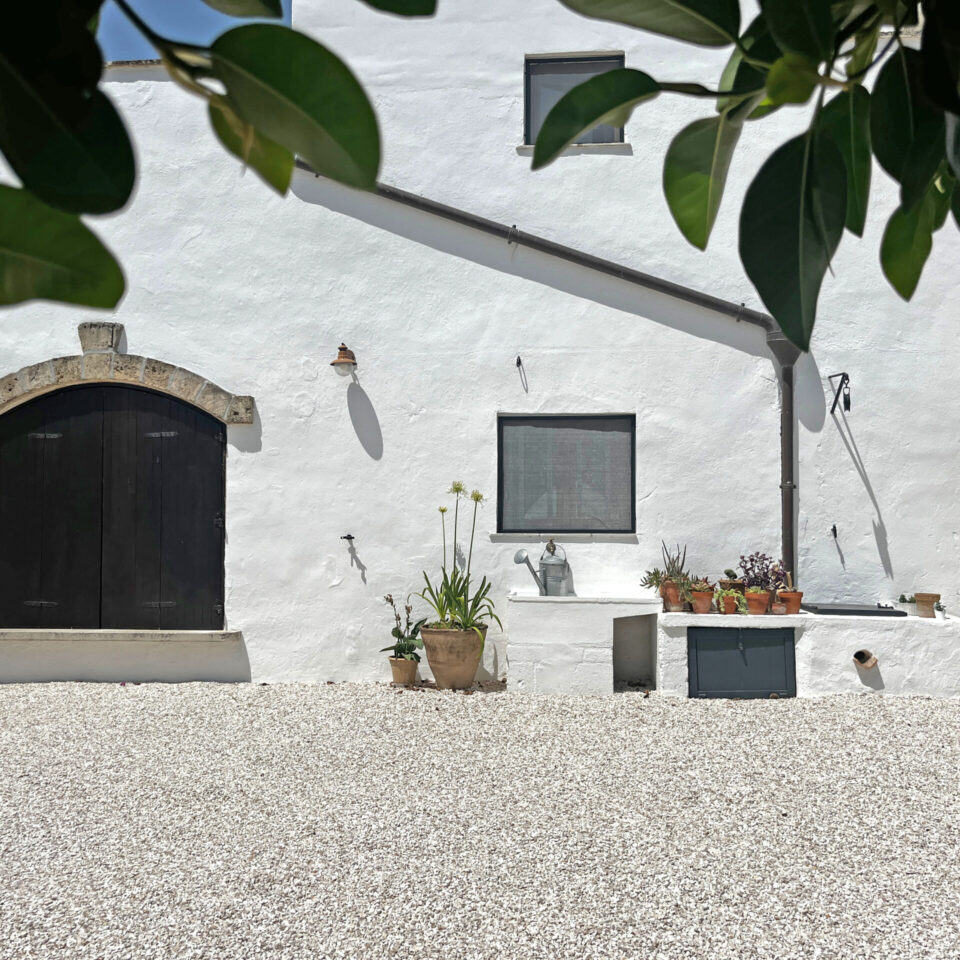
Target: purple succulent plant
[{"x": 761, "y": 570}]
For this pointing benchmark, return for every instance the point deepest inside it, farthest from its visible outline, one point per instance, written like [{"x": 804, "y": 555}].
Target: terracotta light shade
[{"x": 346, "y": 361}]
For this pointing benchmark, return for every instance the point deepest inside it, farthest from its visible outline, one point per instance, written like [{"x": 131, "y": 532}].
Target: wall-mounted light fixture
[
  {"x": 346, "y": 362},
  {"x": 844, "y": 388}
]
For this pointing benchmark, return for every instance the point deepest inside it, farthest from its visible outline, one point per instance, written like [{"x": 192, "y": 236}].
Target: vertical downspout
[{"x": 786, "y": 355}]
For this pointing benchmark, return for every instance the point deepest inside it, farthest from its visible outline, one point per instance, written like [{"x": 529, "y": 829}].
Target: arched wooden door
[{"x": 111, "y": 512}]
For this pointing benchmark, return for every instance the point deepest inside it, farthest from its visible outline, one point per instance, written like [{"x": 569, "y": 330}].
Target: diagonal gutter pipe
[{"x": 784, "y": 352}]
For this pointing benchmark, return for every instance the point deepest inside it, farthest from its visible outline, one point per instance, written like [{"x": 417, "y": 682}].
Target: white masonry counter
[
  {"x": 566, "y": 644},
  {"x": 916, "y": 656}
]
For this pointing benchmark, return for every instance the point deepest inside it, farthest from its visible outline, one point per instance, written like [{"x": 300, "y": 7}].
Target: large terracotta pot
[
  {"x": 791, "y": 598},
  {"x": 404, "y": 671},
  {"x": 671, "y": 597},
  {"x": 757, "y": 602},
  {"x": 925, "y": 604},
  {"x": 453, "y": 655},
  {"x": 702, "y": 601},
  {"x": 737, "y": 585}
]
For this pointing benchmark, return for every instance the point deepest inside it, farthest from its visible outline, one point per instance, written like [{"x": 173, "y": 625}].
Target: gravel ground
[{"x": 358, "y": 821}]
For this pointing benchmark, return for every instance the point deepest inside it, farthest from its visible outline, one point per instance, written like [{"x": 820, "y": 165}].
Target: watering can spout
[{"x": 521, "y": 557}]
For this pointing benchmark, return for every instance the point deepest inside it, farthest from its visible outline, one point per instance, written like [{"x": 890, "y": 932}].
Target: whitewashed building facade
[{"x": 254, "y": 293}]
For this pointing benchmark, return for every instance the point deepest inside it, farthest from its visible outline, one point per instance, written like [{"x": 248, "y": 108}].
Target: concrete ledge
[
  {"x": 112, "y": 656},
  {"x": 652, "y": 605},
  {"x": 125, "y": 636}
]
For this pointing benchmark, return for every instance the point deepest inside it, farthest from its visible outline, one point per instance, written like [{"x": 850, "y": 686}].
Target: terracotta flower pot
[
  {"x": 757, "y": 602},
  {"x": 453, "y": 655},
  {"x": 778, "y": 608},
  {"x": 404, "y": 671},
  {"x": 925, "y": 604},
  {"x": 729, "y": 605},
  {"x": 737, "y": 585},
  {"x": 792, "y": 599},
  {"x": 702, "y": 601},
  {"x": 671, "y": 597}
]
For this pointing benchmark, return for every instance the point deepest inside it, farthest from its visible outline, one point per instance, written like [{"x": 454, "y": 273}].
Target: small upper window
[
  {"x": 566, "y": 474},
  {"x": 549, "y": 78},
  {"x": 193, "y": 22}
]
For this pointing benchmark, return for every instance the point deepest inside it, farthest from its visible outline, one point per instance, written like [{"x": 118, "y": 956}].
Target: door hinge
[
  {"x": 218, "y": 520},
  {"x": 153, "y": 434},
  {"x": 218, "y": 608},
  {"x": 44, "y": 436},
  {"x": 159, "y": 603},
  {"x": 40, "y": 603}
]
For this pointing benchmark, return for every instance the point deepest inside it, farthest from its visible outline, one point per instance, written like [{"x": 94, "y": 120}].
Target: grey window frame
[
  {"x": 631, "y": 418},
  {"x": 619, "y": 58}
]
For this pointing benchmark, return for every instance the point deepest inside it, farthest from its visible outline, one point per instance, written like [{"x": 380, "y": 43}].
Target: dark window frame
[
  {"x": 505, "y": 418},
  {"x": 588, "y": 58}
]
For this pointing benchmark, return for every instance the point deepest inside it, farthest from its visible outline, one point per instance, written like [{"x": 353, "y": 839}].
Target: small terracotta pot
[
  {"x": 925, "y": 604},
  {"x": 778, "y": 609},
  {"x": 757, "y": 602},
  {"x": 671, "y": 597},
  {"x": 729, "y": 605},
  {"x": 791, "y": 598},
  {"x": 453, "y": 655},
  {"x": 702, "y": 601},
  {"x": 404, "y": 671}
]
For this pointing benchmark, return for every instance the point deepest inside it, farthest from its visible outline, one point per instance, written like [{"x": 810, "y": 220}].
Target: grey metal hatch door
[{"x": 746, "y": 663}]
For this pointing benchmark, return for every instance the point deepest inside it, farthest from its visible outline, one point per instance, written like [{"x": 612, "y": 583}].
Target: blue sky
[{"x": 189, "y": 20}]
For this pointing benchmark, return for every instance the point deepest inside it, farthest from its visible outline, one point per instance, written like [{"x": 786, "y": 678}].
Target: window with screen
[
  {"x": 566, "y": 474},
  {"x": 549, "y": 78}
]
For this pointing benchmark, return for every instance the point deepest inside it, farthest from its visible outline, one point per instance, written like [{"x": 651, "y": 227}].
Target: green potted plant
[
  {"x": 730, "y": 601},
  {"x": 700, "y": 592},
  {"x": 731, "y": 581},
  {"x": 762, "y": 571},
  {"x": 653, "y": 580},
  {"x": 406, "y": 643},
  {"x": 757, "y": 600},
  {"x": 940, "y": 611},
  {"x": 908, "y": 604},
  {"x": 454, "y": 640},
  {"x": 675, "y": 577},
  {"x": 790, "y": 598}
]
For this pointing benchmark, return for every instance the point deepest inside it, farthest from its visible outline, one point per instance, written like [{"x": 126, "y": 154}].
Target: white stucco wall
[{"x": 255, "y": 292}]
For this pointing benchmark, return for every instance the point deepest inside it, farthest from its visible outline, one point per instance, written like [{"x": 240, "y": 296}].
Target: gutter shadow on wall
[{"x": 491, "y": 251}]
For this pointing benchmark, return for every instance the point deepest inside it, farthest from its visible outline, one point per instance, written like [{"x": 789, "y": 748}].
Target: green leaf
[
  {"x": 864, "y": 47},
  {"x": 907, "y": 243},
  {"x": 73, "y": 155},
  {"x": 695, "y": 171},
  {"x": 247, "y": 8},
  {"x": 921, "y": 162},
  {"x": 46, "y": 254},
  {"x": 903, "y": 129},
  {"x": 846, "y": 121},
  {"x": 790, "y": 226},
  {"x": 405, "y": 8},
  {"x": 952, "y": 132},
  {"x": 955, "y": 207},
  {"x": 711, "y": 23},
  {"x": 607, "y": 98},
  {"x": 300, "y": 95},
  {"x": 801, "y": 26},
  {"x": 273, "y": 163},
  {"x": 791, "y": 79}
]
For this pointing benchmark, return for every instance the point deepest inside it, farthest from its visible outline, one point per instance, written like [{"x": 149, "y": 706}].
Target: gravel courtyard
[{"x": 357, "y": 821}]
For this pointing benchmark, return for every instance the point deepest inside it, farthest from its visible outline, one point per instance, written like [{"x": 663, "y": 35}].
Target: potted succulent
[
  {"x": 454, "y": 639},
  {"x": 926, "y": 603},
  {"x": 908, "y": 604},
  {"x": 730, "y": 601},
  {"x": 790, "y": 598},
  {"x": 404, "y": 659},
  {"x": 761, "y": 570},
  {"x": 757, "y": 600},
  {"x": 653, "y": 580},
  {"x": 700, "y": 592},
  {"x": 675, "y": 578},
  {"x": 731, "y": 581},
  {"x": 940, "y": 611}
]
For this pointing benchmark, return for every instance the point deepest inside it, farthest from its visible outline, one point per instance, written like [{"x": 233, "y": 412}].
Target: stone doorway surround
[
  {"x": 31, "y": 655},
  {"x": 102, "y": 362}
]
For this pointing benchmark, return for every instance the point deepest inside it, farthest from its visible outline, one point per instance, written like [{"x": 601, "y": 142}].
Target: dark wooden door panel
[
  {"x": 191, "y": 564},
  {"x": 741, "y": 662},
  {"x": 50, "y": 511}
]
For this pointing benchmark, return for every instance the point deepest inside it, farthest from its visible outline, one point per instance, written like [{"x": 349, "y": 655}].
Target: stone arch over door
[
  {"x": 112, "y": 492},
  {"x": 101, "y": 362}
]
